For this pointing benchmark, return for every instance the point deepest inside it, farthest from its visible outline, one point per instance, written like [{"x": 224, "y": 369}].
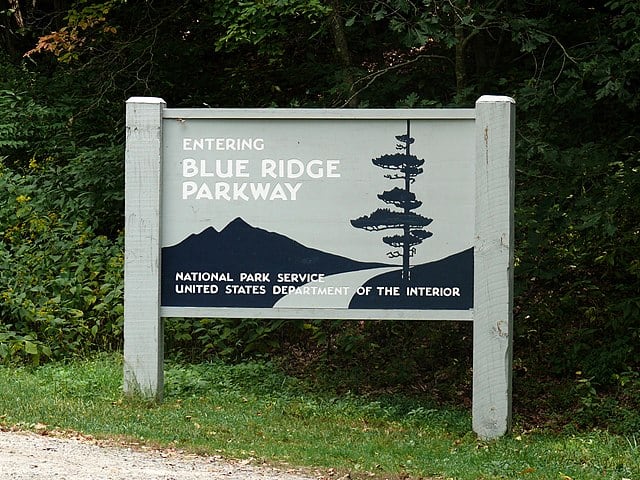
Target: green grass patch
[{"x": 254, "y": 410}]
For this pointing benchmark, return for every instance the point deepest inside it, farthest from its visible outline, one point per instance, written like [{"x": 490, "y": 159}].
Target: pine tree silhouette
[{"x": 406, "y": 167}]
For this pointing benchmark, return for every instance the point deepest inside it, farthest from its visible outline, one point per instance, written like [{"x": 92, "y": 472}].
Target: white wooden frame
[
  {"x": 493, "y": 272},
  {"x": 493, "y": 249},
  {"x": 143, "y": 335}
]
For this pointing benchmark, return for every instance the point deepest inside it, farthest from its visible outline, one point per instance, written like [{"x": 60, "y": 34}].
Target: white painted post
[
  {"x": 143, "y": 335},
  {"x": 493, "y": 274}
]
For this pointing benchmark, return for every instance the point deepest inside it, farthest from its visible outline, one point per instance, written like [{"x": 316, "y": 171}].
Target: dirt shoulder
[{"x": 32, "y": 456}]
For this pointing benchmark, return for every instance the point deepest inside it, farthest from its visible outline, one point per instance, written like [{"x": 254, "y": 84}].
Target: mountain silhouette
[{"x": 238, "y": 249}]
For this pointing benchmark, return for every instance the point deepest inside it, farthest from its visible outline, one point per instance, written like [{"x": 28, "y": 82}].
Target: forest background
[{"x": 573, "y": 67}]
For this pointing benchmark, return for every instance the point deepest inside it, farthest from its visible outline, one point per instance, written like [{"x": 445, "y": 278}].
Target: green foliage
[
  {"x": 60, "y": 222},
  {"x": 394, "y": 357},
  {"x": 265, "y": 24},
  {"x": 25, "y": 123},
  {"x": 233, "y": 339},
  {"x": 577, "y": 229},
  {"x": 571, "y": 66},
  {"x": 14, "y": 345},
  {"x": 60, "y": 283},
  {"x": 614, "y": 407}
]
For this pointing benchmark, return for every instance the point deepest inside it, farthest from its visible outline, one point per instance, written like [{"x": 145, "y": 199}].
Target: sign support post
[
  {"x": 493, "y": 282},
  {"x": 143, "y": 335}
]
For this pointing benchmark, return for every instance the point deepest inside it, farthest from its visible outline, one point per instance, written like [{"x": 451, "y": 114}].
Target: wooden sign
[{"x": 279, "y": 213}]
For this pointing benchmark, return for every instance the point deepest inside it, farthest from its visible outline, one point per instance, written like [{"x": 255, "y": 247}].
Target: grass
[{"x": 255, "y": 411}]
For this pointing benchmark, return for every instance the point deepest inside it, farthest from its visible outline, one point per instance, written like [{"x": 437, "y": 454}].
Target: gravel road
[{"x": 31, "y": 456}]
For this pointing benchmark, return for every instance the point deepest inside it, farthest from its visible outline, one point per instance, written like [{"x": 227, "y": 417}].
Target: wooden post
[
  {"x": 493, "y": 274},
  {"x": 143, "y": 335}
]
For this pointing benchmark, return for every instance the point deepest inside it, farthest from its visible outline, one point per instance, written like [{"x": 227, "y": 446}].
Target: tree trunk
[
  {"x": 406, "y": 247},
  {"x": 461, "y": 70},
  {"x": 10, "y": 24},
  {"x": 342, "y": 47},
  {"x": 17, "y": 13}
]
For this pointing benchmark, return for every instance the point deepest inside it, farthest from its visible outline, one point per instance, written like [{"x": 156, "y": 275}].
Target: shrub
[{"x": 61, "y": 284}]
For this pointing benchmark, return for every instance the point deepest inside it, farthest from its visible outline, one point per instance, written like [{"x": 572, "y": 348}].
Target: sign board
[
  {"x": 333, "y": 214},
  {"x": 314, "y": 217}
]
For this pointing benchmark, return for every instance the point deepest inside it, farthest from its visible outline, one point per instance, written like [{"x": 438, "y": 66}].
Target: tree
[
  {"x": 571, "y": 65},
  {"x": 407, "y": 166}
]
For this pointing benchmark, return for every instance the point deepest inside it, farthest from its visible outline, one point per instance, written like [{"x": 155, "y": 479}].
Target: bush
[{"x": 61, "y": 284}]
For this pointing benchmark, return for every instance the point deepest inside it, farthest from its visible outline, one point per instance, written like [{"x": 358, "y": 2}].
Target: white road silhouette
[{"x": 349, "y": 281}]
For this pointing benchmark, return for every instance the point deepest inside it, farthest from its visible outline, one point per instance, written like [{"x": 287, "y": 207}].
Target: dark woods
[{"x": 573, "y": 67}]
